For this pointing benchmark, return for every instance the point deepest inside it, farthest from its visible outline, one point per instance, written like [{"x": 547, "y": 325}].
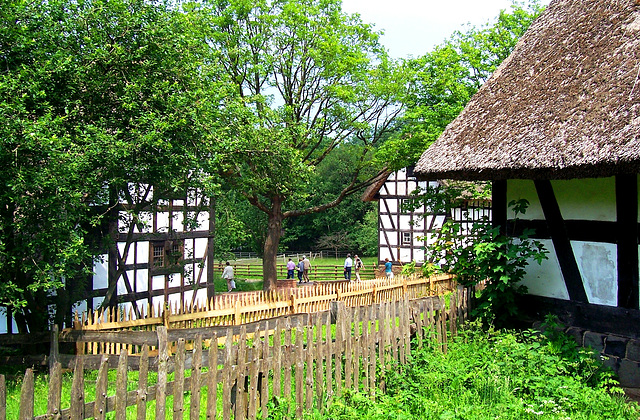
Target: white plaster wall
[
  {"x": 174, "y": 300},
  {"x": 201, "y": 296},
  {"x": 385, "y": 221},
  {"x": 97, "y": 301},
  {"x": 392, "y": 205},
  {"x": 143, "y": 307},
  {"x": 597, "y": 263},
  {"x": 178, "y": 221},
  {"x": 546, "y": 279},
  {"x": 130, "y": 255},
  {"x": 157, "y": 282},
  {"x": 162, "y": 220},
  {"x": 201, "y": 246},
  {"x": 418, "y": 224},
  {"x": 586, "y": 199},
  {"x": 384, "y": 253},
  {"x": 142, "y": 251},
  {"x": 388, "y": 189},
  {"x": 405, "y": 255},
  {"x": 142, "y": 280},
  {"x": 158, "y": 301},
  {"x": 121, "y": 289},
  {"x": 203, "y": 221},
  {"x": 405, "y": 222},
  {"x": 578, "y": 199},
  {"x": 124, "y": 220},
  {"x": 523, "y": 188},
  {"x": 174, "y": 280}
]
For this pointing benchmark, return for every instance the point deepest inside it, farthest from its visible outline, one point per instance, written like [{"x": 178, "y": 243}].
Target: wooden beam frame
[
  {"x": 561, "y": 242},
  {"x": 627, "y": 239}
]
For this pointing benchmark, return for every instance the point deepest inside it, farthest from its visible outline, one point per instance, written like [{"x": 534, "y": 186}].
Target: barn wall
[{"x": 581, "y": 202}]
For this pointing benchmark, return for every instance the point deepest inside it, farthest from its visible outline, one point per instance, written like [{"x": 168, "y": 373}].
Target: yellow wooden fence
[{"x": 243, "y": 308}]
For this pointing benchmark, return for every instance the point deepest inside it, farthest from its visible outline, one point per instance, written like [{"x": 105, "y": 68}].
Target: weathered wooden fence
[
  {"x": 243, "y": 308},
  {"x": 236, "y": 371}
]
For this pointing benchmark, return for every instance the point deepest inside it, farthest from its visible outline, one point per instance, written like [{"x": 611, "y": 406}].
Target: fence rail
[
  {"x": 316, "y": 273},
  {"x": 243, "y": 308},
  {"x": 306, "y": 359}
]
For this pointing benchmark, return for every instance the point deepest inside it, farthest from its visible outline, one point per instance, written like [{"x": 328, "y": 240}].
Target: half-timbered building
[
  {"x": 156, "y": 250},
  {"x": 558, "y": 124},
  {"x": 161, "y": 257},
  {"x": 405, "y": 232}
]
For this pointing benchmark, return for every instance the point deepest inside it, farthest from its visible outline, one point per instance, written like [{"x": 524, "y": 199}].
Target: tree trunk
[{"x": 274, "y": 232}]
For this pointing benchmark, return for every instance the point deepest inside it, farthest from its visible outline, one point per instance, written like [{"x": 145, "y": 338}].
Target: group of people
[
  {"x": 303, "y": 267},
  {"x": 350, "y": 264}
]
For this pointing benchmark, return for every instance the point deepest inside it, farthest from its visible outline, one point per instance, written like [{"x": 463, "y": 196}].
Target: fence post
[
  {"x": 163, "y": 359},
  {"x": 54, "y": 352},
  {"x": 292, "y": 304},
  {"x": 26, "y": 396},
  {"x": 3, "y": 398}
]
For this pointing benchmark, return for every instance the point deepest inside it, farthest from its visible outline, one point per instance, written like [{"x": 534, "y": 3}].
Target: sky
[{"x": 414, "y": 27}]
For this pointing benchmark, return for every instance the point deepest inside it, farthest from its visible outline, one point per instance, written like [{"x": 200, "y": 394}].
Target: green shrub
[
  {"x": 489, "y": 374},
  {"x": 488, "y": 255}
]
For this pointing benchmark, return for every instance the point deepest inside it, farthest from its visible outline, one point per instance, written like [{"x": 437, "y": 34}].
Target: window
[
  {"x": 158, "y": 255},
  {"x": 406, "y": 238},
  {"x": 167, "y": 254}
]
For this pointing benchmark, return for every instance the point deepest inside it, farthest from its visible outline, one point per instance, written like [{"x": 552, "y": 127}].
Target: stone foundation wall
[{"x": 622, "y": 353}]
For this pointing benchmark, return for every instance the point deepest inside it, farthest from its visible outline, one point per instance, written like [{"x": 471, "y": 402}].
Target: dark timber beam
[
  {"x": 499, "y": 205},
  {"x": 627, "y": 239},
  {"x": 561, "y": 242}
]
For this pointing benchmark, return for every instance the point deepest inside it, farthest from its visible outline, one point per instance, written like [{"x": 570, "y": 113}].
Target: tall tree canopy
[
  {"x": 312, "y": 79},
  {"x": 99, "y": 100},
  {"x": 444, "y": 80}
]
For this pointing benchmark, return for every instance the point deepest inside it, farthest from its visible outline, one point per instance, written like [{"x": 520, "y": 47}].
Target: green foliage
[
  {"x": 100, "y": 100},
  {"x": 444, "y": 80},
  {"x": 312, "y": 81},
  {"x": 487, "y": 255},
  {"x": 365, "y": 234},
  {"x": 488, "y": 375}
]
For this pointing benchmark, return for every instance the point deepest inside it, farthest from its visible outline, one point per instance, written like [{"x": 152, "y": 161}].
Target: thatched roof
[
  {"x": 565, "y": 104},
  {"x": 371, "y": 193}
]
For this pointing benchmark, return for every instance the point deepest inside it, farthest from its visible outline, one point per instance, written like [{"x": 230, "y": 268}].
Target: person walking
[
  {"x": 388, "y": 268},
  {"x": 357, "y": 263},
  {"x": 307, "y": 268},
  {"x": 300, "y": 268},
  {"x": 227, "y": 274},
  {"x": 348, "y": 264},
  {"x": 291, "y": 266}
]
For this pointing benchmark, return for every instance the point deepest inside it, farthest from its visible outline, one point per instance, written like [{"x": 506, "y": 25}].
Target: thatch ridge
[{"x": 565, "y": 104}]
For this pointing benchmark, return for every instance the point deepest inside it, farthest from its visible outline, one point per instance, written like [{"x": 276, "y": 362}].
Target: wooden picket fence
[
  {"x": 235, "y": 371},
  {"x": 243, "y": 308}
]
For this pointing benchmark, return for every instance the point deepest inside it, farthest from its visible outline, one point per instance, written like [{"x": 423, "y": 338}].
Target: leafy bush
[
  {"x": 488, "y": 255},
  {"x": 489, "y": 374}
]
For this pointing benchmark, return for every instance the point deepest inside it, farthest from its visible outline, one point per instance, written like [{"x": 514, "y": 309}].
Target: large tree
[
  {"x": 101, "y": 103},
  {"x": 312, "y": 79},
  {"x": 445, "y": 79}
]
